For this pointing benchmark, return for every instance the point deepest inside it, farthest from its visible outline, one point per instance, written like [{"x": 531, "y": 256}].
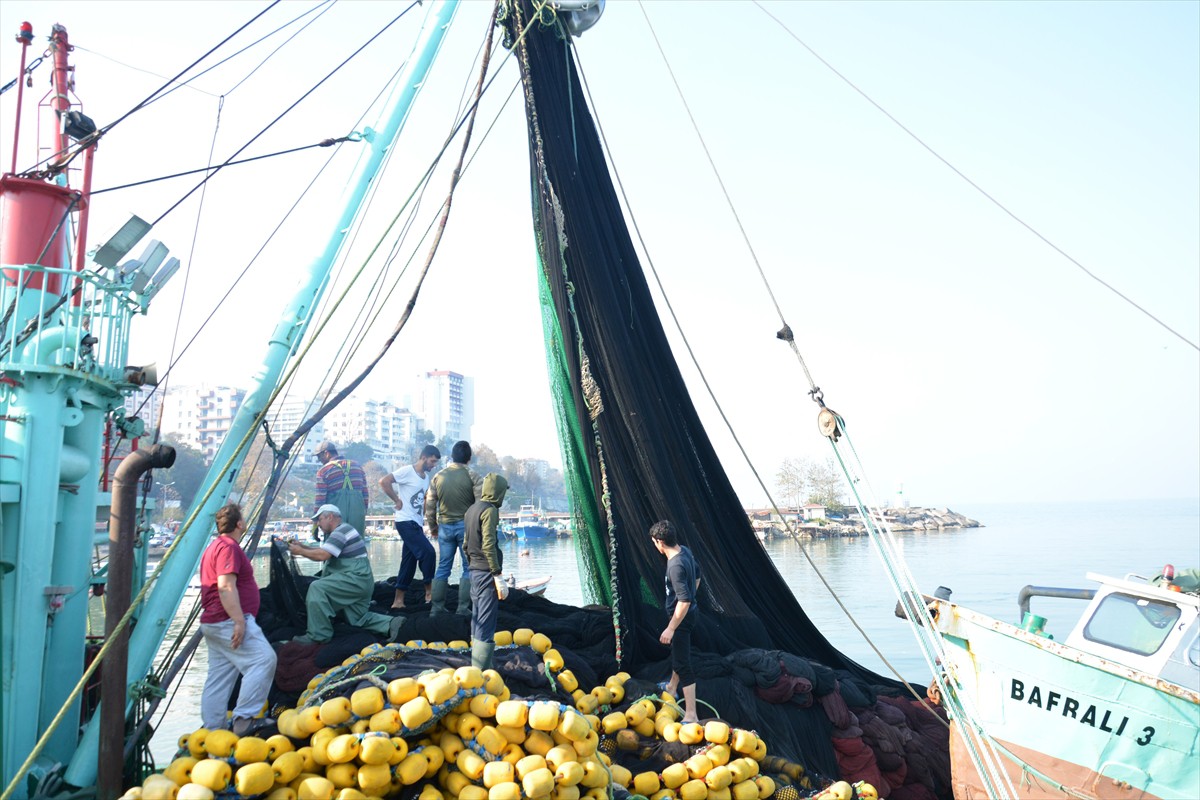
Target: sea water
[{"x": 1048, "y": 544}]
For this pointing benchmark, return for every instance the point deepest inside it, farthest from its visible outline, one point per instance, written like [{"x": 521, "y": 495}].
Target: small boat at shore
[
  {"x": 531, "y": 585},
  {"x": 1110, "y": 712}
]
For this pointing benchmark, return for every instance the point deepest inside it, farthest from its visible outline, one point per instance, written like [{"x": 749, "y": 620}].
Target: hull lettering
[{"x": 1070, "y": 707}]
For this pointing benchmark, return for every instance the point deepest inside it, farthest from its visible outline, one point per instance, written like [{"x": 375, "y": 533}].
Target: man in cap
[
  {"x": 346, "y": 583},
  {"x": 342, "y": 483}
]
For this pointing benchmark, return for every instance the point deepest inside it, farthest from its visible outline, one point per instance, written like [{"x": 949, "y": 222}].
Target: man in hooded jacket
[{"x": 485, "y": 565}]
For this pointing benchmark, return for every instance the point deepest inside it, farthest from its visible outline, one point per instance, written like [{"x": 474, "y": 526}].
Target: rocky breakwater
[{"x": 898, "y": 519}]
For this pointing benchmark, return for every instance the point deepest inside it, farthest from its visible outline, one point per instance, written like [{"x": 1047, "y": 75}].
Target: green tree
[
  {"x": 358, "y": 452},
  {"x": 380, "y": 504},
  {"x": 824, "y": 483},
  {"x": 485, "y": 460},
  {"x": 425, "y": 437},
  {"x": 187, "y": 472},
  {"x": 554, "y": 491},
  {"x": 792, "y": 481}
]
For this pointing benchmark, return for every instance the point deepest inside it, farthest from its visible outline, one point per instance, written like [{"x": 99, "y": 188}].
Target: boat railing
[
  {"x": 1029, "y": 592},
  {"x": 82, "y": 326}
]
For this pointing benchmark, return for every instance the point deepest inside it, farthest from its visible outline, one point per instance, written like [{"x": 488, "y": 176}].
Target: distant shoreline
[{"x": 899, "y": 520}]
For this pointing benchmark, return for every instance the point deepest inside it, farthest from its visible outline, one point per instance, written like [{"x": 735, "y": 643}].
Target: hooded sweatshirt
[{"x": 482, "y": 523}]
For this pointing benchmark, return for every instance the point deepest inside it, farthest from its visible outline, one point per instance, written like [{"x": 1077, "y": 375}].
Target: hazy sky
[{"x": 970, "y": 360}]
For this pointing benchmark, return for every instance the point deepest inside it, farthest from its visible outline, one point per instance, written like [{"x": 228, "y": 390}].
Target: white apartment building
[
  {"x": 446, "y": 401},
  {"x": 289, "y": 414},
  {"x": 201, "y": 415},
  {"x": 387, "y": 428}
]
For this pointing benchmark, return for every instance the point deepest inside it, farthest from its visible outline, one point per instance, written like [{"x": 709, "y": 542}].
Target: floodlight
[
  {"x": 121, "y": 242},
  {"x": 161, "y": 277}
]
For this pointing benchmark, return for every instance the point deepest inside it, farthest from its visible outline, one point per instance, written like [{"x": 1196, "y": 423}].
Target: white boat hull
[{"x": 1070, "y": 724}]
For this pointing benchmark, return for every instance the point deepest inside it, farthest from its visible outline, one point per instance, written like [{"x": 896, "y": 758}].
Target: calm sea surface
[{"x": 1042, "y": 544}]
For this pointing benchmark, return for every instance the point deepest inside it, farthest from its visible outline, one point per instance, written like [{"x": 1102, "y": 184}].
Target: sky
[{"x": 971, "y": 361}]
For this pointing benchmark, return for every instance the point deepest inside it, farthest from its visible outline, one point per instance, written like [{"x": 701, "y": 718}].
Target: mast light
[{"x": 121, "y": 242}]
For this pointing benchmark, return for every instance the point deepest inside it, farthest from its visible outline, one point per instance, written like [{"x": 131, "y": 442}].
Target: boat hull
[
  {"x": 526, "y": 532},
  {"x": 1073, "y": 725}
]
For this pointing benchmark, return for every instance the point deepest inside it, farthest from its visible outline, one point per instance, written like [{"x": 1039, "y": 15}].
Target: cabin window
[{"x": 1136, "y": 624}]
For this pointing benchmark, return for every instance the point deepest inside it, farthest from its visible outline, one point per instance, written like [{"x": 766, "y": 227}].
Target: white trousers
[{"x": 254, "y": 661}]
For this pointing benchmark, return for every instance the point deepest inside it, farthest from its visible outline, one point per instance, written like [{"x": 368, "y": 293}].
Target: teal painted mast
[
  {"x": 63, "y": 350},
  {"x": 161, "y": 605}
]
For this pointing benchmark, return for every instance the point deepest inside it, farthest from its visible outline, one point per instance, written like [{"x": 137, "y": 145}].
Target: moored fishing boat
[
  {"x": 1111, "y": 712},
  {"x": 529, "y": 525}
]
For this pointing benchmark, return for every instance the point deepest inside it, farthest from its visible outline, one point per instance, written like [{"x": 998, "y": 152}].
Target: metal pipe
[
  {"x": 117, "y": 595},
  {"x": 24, "y": 40},
  {"x": 1029, "y": 592},
  {"x": 60, "y": 101}
]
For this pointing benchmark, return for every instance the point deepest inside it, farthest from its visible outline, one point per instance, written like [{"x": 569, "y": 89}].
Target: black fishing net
[
  {"x": 635, "y": 452},
  {"x": 634, "y": 436}
]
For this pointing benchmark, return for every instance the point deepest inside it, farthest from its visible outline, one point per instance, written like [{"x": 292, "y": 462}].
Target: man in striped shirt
[
  {"x": 346, "y": 583},
  {"x": 342, "y": 483}
]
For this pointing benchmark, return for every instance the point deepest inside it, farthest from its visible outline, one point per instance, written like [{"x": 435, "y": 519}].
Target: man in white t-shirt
[{"x": 406, "y": 487}]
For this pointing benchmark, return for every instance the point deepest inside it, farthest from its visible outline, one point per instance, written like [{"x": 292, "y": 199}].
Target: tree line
[{"x": 802, "y": 480}]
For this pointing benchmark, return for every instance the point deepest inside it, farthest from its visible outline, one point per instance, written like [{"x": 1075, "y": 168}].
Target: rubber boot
[
  {"x": 439, "y": 597},
  {"x": 464, "y": 595},
  {"x": 481, "y": 654}
]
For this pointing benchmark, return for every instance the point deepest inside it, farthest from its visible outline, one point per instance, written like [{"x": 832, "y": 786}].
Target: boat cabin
[{"x": 1133, "y": 622}]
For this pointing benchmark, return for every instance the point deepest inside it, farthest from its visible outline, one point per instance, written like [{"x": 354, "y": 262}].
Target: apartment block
[
  {"x": 201, "y": 416},
  {"x": 446, "y": 401}
]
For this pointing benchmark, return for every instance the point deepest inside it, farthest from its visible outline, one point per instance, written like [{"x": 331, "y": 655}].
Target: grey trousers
[{"x": 254, "y": 661}]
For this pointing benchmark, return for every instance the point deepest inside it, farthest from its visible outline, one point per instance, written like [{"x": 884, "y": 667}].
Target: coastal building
[
  {"x": 446, "y": 402},
  {"x": 200, "y": 416},
  {"x": 812, "y": 511}
]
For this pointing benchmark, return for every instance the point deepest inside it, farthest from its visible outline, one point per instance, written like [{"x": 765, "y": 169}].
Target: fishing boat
[
  {"x": 633, "y": 445},
  {"x": 530, "y": 525},
  {"x": 1109, "y": 712}
]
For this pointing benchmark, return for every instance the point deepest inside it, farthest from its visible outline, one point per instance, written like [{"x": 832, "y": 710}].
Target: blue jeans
[
  {"x": 450, "y": 541},
  {"x": 417, "y": 550}
]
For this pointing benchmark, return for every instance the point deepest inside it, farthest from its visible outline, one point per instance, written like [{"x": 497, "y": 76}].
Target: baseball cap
[
  {"x": 328, "y": 508},
  {"x": 325, "y": 447}
]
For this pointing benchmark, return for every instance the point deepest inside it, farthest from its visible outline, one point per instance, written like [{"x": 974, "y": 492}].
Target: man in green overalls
[
  {"x": 346, "y": 582},
  {"x": 342, "y": 483}
]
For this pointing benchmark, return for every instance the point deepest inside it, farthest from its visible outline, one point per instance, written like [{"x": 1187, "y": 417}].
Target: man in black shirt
[{"x": 683, "y": 585}]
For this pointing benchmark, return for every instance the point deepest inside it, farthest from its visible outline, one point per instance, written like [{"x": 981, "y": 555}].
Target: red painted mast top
[{"x": 37, "y": 207}]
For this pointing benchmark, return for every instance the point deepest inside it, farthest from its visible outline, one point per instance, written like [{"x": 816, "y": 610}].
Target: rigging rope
[
  {"x": 976, "y": 186},
  {"x": 903, "y": 582},
  {"x": 187, "y": 271},
  {"x": 328, "y": 142},
  {"x": 91, "y": 140},
  {"x": 721, "y": 411},
  {"x": 287, "y": 110}
]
